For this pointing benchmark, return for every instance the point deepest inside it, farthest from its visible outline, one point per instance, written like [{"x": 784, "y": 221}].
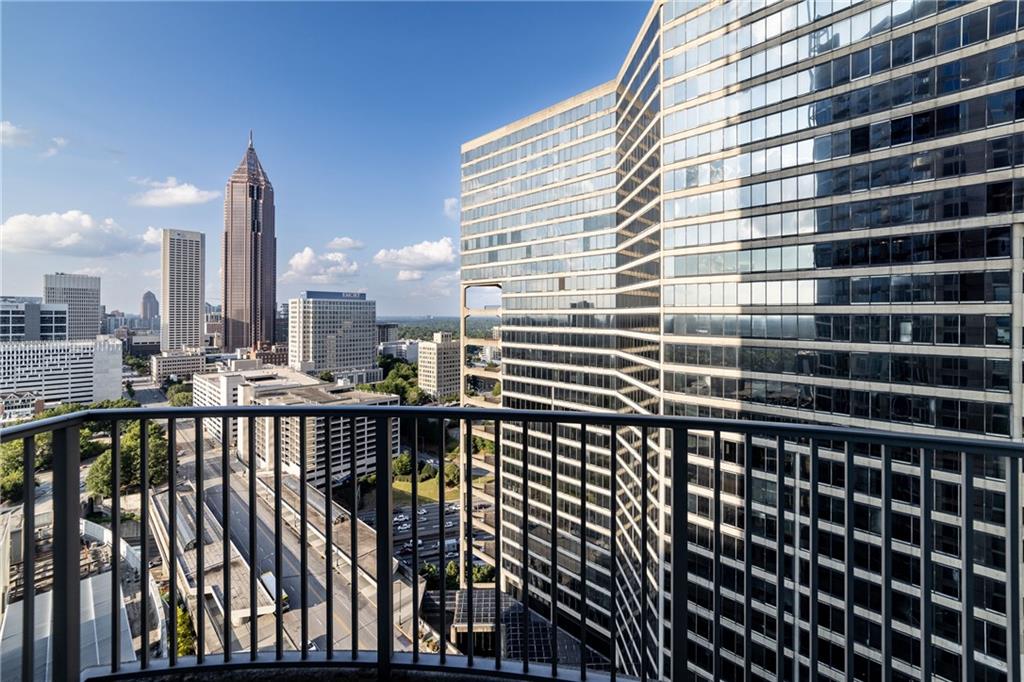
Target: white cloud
[
  {"x": 328, "y": 268},
  {"x": 95, "y": 272},
  {"x": 12, "y": 135},
  {"x": 410, "y": 275},
  {"x": 423, "y": 256},
  {"x": 153, "y": 236},
  {"x": 344, "y": 244},
  {"x": 72, "y": 233},
  {"x": 58, "y": 143},
  {"x": 443, "y": 286},
  {"x": 451, "y": 208},
  {"x": 170, "y": 192}
]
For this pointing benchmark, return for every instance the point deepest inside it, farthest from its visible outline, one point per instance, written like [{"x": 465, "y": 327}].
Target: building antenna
[{"x": 250, "y": 138}]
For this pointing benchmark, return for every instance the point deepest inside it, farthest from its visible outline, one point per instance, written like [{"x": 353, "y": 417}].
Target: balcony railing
[{"x": 829, "y": 511}]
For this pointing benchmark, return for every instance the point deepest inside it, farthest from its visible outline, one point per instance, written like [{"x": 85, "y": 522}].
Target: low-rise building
[
  {"x": 405, "y": 349},
  {"x": 333, "y": 438},
  {"x": 179, "y": 364},
  {"x": 143, "y": 345},
  {"x": 267, "y": 354}
]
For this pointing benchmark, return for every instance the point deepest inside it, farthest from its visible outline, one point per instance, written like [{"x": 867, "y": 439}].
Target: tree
[
  {"x": 186, "y": 635},
  {"x": 403, "y": 465},
  {"x": 177, "y": 389},
  {"x": 181, "y": 399},
  {"x": 451, "y": 575},
  {"x": 430, "y": 573},
  {"x": 451, "y": 474},
  {"x": 483, "y": 574},
  {"x": 326, "y": 376},
  {"x": 99, "y": 479},
  {"x": 129, "y": 389},
  {"x": 496, "y": 391},
  {"x": 428, "y": 472}
]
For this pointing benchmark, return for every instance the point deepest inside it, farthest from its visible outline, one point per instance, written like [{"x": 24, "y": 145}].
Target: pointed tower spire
[{"x": 250, "y": 138}]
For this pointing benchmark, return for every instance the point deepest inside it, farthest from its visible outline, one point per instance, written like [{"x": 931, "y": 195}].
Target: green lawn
[{"x": 427, "y": 491}]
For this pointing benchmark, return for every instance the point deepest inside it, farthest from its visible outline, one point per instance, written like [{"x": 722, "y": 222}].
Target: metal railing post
[
  {"x": 385, "y": 597},
  {"x": 66, "y": 552}
]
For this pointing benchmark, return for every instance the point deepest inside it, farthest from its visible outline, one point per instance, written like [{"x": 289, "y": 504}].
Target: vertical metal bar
[
  {"x": 172, "y": 532},
  {"x": 1013, "y": 567},
  {"x": 385, "y": 573},
  {"x": 467, "y": 546},
  {"x": 848, "y": 564},
  {"x": 353, "y": 533},
  {"x": 554, "y": 549},
  {"x": 497, "y": 543},
  {"x": 583, "y": 551},
  {"x": 680, "y": 544},
  {"x": 717, "y": 556},
  {"x": 144, "y": 543},
  {"x": 115, "y": 547},
  {"x": 225, "y": 503},
  {"x": 644, "y": 590},
  {"x": 329, "y": 449},
  {"x": 441, "y": 541},
  {"x": 926, "y": 562},
  {"x": 278, "y": 541},
  {"x": 815, "y": 510},
  {"x": 886, "y": 523},
  {"x": 253, "y": 623},
  {"x": 303, "y": 542},
  {"x": 28, "y": 554},
  {"x": 967, "y": 574},
  {"x": 780, "y": 555},
  {"x": 748, "y": 533},
  {"x": 525, "y": 558},
  {"x": 200, "y": 467},
  {"x": 415, "y": 541},
  {"x": 613, "y": 551},
  {"x": 66, "y": 543}
]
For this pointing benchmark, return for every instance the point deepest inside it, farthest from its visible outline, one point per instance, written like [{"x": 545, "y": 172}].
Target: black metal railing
[{"x": 745, "y": 486}]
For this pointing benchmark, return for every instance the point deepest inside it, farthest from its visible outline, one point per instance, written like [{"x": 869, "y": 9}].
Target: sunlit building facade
[{"x": 797, "y": 211}]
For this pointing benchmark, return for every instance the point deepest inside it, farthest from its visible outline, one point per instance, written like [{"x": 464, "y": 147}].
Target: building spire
[{"x": 250, "y": 138}]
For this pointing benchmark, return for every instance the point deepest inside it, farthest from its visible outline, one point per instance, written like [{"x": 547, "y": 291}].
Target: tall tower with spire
[{"x": 249, "y": 258}]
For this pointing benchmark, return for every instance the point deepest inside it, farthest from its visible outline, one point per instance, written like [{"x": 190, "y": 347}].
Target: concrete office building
[
  {"x": 799, "y": 211},
  {"x": 334, "y": 439},
  {"x": 81, "y": 294},
  {"x": 386, "y": 332},
  {"x": 406, "y": 349},
  {"x": 27, "y": 319},
  {"x": 438, "y": 373},
  {"x": 249, "y": 257},
  {"x": 57, "y": 372},
  {"x": 180, "y": 364},
  {"x": 183, "y": 289},
  {"x": 334, "y": 331}
]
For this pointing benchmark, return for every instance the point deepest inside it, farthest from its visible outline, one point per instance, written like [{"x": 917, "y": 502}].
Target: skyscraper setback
[{"x": 249, "y": 270}]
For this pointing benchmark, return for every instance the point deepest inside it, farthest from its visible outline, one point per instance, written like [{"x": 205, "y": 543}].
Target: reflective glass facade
[{"x": 797, "y": 211}]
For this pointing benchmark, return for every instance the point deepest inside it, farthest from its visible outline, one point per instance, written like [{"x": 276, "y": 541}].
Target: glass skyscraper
[{"x": 796, "y": 211}]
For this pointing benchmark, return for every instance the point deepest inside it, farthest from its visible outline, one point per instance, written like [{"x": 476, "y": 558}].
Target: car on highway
[
  {"x": 449, "y": 524},
  {"x": 405, "y": 527}
]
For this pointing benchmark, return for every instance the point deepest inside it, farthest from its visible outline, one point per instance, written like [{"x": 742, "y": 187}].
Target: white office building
[
  {"x": 182, "y": 289},
  {"x": 28, "y": 319},
  {"x": 406, "y": 349},
  {"x": 334, "y": 331},
  {"x": 179, "y": 364},
  {"x": 81, "y": 293},
  {"x": 439, "y": 375}
]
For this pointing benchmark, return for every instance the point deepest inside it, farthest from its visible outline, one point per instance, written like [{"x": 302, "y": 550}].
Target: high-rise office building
[
  {"x": 438, "y": 360},
  {"x": 387, "y": 331},
  {"x": 785, "y": 211},
  {"x": 81, "y": 293},
  {"x": 334, "y": 331},
  {"x": 183, "y": 288},
  {"x": 27, "y": 319},
  {"x": 249, "y": 259},
  {"x": 150, "y": 307}
]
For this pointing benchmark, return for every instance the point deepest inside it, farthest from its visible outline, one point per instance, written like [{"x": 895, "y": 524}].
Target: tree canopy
[{"x": 99, "y": 479}]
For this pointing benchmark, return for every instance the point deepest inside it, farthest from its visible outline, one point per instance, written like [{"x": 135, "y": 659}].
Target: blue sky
[{"x": 120, "y": 117}]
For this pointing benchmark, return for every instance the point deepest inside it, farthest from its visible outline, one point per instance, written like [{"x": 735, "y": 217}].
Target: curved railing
[{"x": 222, "y": 509}]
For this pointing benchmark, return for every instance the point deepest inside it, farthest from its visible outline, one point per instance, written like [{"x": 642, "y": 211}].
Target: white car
[
  {"x": 449, "y": 524},
  {"x": 405, "y": 526}
]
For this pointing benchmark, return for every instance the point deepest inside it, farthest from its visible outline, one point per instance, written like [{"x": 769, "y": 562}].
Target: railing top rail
[{"x": 741, "y": 426}]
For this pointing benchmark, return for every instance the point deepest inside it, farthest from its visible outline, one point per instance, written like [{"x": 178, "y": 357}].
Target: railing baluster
[
  {"x": 679, "y": 544},
  {"x": 584, "y": 477},
  {"x": 780, "y": 556},
  {"x": 28, "y": 565},
  {"x": 644, "y": 596},
  {"x": 353, "y": 535},
  {"x": 225, "y": 503},
  {"x": 813, "y": 548},
  {"x": 172, "y": 532},
  {"x": 748, "y": 579},
  {"x": 467, "y": 545},
  {"x": 967, "y": 574},
  {"x": 848, "y": 600},
  {"x": 717, "y": 556},
  {"x": 926, "y": 457},
  {"x": 144, "y": 544},
  {"x": 200, "y": 466},
  {"x": 303, "y": 543},
  {"x": 253, "y": 556},
  {"x": 329, "y": 445},
  {"x": 441, "y": 541},
  {"x": 886, "y": 523},
  {"x": 525, "y": 568},
  {"x": 115, "y": 547},
  {"x": 613, "y": 546},
  {"x": 66, "y": 543},
  {"x": 554, "y": 549},
  {"x": 278, "y": 542},
  {"x": 497, "y": 544},
  {"x": 1013, "y": 565},
  {"x": 384, "y": 549},
  {"x": 415, "y": 541}
]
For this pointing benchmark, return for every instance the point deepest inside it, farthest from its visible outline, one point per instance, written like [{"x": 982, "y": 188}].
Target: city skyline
[{"x": 124, "y": 169}]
